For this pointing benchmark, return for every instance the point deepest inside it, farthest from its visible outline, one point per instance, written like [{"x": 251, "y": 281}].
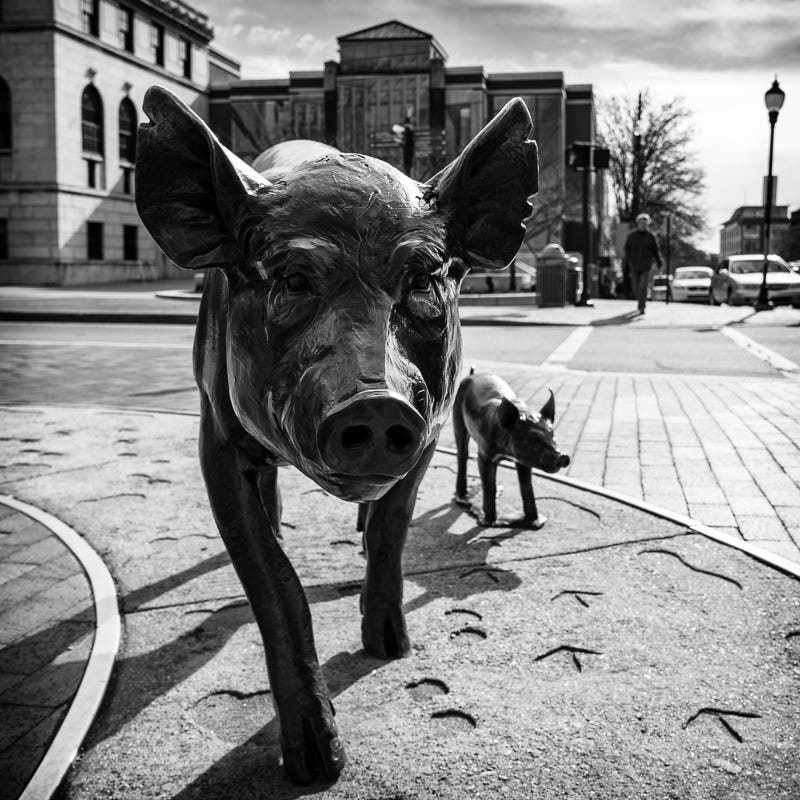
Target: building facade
[
  {"x": 73, "y": 74},
  {"x": 393, "y": 75},
  {"x": 744, "y": 231}
]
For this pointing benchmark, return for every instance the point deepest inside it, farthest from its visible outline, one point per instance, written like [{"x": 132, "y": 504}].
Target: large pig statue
[{"x": 328, "y": 338}]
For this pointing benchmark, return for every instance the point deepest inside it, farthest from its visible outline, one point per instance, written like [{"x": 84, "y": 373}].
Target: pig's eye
[
  {"x": 419, "y": 282},
  {"x": 297, "y": 282}
]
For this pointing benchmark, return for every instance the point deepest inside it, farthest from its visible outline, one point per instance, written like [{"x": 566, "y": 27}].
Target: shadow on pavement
[{"x": 620, "y": 319}]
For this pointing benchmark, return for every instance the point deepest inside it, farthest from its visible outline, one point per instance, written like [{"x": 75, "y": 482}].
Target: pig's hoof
[
  {"x": 384, "y": 635},
  {"x": 537, "y": 523},
  {"x": 462, "y": 500},
  {"x": 316, "y": 754}
]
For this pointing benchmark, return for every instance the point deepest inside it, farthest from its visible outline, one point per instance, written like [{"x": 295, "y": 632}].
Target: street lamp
[{"x": 773, "y": 100}]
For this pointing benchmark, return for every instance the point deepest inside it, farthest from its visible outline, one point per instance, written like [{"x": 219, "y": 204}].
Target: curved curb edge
[
  {"x": 754, "y": 551},
  {"x": 85, "y": 704}
]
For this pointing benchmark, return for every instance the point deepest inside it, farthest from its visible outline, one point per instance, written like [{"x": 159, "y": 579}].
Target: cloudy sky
[{"x": 719, "y": 56}]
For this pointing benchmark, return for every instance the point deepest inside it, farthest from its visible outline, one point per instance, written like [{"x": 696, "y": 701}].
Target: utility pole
[{"x": 637, "y": 155}]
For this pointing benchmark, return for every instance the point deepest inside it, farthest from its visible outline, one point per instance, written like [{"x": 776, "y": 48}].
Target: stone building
[
  {"x": 393, "y": 74},
  {"x": 744, "y": 231},
  {"x": 73, "y": 74}
]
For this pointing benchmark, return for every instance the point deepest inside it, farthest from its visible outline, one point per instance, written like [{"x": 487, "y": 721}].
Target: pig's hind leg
[
  {"x": 246, "y": 505},
  {"x": 383, "y": 624},
  {"x": 487, "y": 468},
  {"x": 531, "y": 518}
]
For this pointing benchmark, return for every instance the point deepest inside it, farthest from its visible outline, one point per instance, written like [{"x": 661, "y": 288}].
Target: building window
[
  {"x": 186, "y": 57},
  {"x": 90, "y": 17},
  {"x": 127, "y": 131},
  {"x": 94, "y": 241},
  {"x": 157, "y": 42},
  {"x": 92, "y": 137},
  {"x": 3, "y": 238},
  {"x": 130, "y": 242},
  {"x": 92, "y": 121},
  {"x": 127, "y": 180},
  {"x": 5, "y": 116},
  {"x": 125, "y": 28}
]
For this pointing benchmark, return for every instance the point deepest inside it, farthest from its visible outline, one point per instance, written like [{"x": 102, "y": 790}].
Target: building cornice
[{"x": 97, "y": 44}]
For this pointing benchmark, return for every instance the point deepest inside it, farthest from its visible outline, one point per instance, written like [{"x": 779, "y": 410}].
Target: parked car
[
  {"x": 691, "y": 283},
  {"x": 738, "y": 281},
  {"x": 658, "y": 287},
  {"x": 476, "y": 282}
]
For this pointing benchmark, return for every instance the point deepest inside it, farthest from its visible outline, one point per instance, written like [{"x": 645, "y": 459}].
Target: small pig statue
[
  {"x": 487, "y": 410},
  {"x": 327, "y": 338}
]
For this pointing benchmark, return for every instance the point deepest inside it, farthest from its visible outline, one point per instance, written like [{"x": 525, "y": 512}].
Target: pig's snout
[
  {"x": 374, "y": 433},
  {"x": 562, "y": 462}
]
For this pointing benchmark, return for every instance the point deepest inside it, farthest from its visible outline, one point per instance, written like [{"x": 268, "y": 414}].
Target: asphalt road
[{"x": 150, "y": 365}]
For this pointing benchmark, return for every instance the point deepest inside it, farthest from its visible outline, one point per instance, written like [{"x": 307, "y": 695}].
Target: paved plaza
[{"x": 669, "y": 474}]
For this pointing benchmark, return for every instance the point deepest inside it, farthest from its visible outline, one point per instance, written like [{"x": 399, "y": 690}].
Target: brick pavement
[
  {"x": 721, "y": 450},
  {"x": 46, "y": 632}
]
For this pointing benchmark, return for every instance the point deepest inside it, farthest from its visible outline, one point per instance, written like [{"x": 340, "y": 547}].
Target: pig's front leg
[
  {"x": 383, "y": 624},
  {"x": 531, "y": 518},
  {"x": 246, "y": 506},
  {"x": 487, "y": 469}
]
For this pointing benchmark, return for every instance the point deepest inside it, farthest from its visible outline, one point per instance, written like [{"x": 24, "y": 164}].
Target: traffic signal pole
[{"x": 586, "y": 157}]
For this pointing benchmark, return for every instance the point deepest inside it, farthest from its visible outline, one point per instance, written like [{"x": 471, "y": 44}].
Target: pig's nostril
[
  {"x": 399, "y": 439},
  {"x": 563, "y": 462},
  {"x": 355, "y": 437}
]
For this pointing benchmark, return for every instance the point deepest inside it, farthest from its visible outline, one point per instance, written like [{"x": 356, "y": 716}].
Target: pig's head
[
  {"x": 341, "y": 282},
  {"x": 530, "y": 436}
]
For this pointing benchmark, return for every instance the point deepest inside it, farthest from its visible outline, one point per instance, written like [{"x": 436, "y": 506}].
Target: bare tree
[{"x": 652, "y": 165}]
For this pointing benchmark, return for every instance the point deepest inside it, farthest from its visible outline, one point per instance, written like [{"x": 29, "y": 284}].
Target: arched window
[
  {"x": 5, "y": 116},
  {"x": 127, "y": 130},
  {"x": 92, "y": 121},
  {"x": 92, "y": 137}
]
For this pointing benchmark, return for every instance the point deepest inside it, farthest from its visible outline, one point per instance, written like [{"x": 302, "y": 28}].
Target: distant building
[
  {"x": 73, "y": 74},
  {"x": 744, "y": 231},
  {"x": 390, "y": 73}
]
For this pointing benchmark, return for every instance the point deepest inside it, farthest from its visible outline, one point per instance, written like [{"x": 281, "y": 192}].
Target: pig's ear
[
  {"x": 191, "y": 193},
  {"x": 485, "y": 190},
  {"x": 548, "y": 411},
  {"x": 508, "y": 414}
]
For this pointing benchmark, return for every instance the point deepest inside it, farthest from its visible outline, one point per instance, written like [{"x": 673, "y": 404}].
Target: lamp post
[{"x": 773, "y": 99}]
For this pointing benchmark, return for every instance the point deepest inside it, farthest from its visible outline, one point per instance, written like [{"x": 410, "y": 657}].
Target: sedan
[
  {"x": 487, "y": 282},
  {"x": 691, "y": 283},
  {"x": 738, "y": 281}
]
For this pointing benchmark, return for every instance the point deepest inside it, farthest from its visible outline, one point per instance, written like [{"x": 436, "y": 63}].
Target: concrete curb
[
  {"x": 86, "y": 702},
  {"x": 754, "y": 551}
]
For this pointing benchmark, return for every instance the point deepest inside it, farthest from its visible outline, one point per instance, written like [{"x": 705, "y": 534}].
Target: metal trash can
[{"x": 551, "y": 276}]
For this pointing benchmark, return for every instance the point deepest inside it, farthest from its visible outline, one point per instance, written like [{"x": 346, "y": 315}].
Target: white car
[
  {"x": 476, "y": 282},
  {"x": 738, "y": 281},
  {"x": 691, "y": 283}
]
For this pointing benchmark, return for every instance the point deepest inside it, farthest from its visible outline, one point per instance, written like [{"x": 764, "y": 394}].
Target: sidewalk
[
  {"x": 614, "y": 653},
  {"x": 172, "y": 301},
  {"x": 694, "y": 626}
]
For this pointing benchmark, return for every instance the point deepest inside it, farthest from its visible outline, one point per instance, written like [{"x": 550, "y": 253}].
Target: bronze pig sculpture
[
  {"x": 328, "y": 338},
  {"x": 487, "y": 409}
]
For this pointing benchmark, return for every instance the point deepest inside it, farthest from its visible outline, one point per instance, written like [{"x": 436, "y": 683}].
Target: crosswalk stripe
[
  {"x": 758, "y": 350},
  {"x": 565, "y": 352}
]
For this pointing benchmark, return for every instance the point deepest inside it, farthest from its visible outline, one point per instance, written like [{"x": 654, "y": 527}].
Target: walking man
[{"x": 641, "y": 250}]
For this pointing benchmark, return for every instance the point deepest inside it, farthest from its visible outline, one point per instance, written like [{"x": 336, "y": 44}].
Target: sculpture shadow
[
  {"x": 252, "y": 766},
  {"x": 464, "y": 569}
]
